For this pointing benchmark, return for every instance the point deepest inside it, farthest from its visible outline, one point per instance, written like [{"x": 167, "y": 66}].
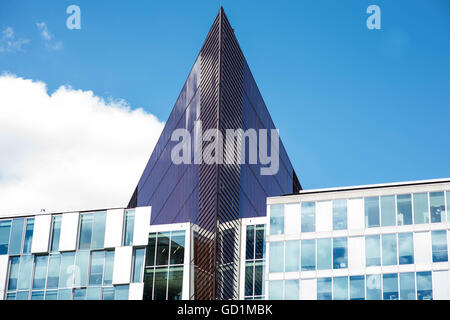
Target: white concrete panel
[
  {"x": 422, "y": 249},
  {"x": 355, "y": 213},
  {"x": 69, "y": 231},
  {"x": 141, "y": 226},
  {"x": 4, "y": 259},
  {"x": 114, "y": 228},
  {"x": 122, "y": 265},
  {"x": 292, "y": 218},
  {"x": 136, "y": 291},
  {"x": 41, "y": 234},
  {"x": 324, "y": 216},
  {"x": 441, "y": 285},
  {"x": 356, "y": 255},
  {"x": 308, "y": 289}
]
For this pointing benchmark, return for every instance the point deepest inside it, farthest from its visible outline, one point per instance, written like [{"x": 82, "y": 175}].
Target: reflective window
[
  {"x": 108, "y": 293},
  {"x": 160, "y": 284},
  {"x": 162, "y": 249},
  {"x": 421, "y": 214},
  {"x": 291, "y": 290},
  {"x": 22, "y": 295},
  {"x": 53, "y": 271},
  {"x": 121, "y": 292},
  {"x": 250, "y": 243},
  {"x": 373, "y": 287},
  {"x": 79, "y": 294},
  {"x": 439, "y": 245},
  {"x": 37, "y": 295},
  {"x": 324, "y": 289},
  {"x": 276, "y": 290},
  {"x": 96, "y": 271},
  {"x": 372, "y": 212},
  {"x": 15, "y": 244},
  {"x": 129, "y": 228},
  {"x": 276, "y": 257},
  {"x": 424, "y": 286},
  {"x": 86, "y": 231},
  {"x": 5, "y": 228},
  {"x": 56, "y": 233},
  {"x": 277, "y": 219},
  {"x": 339, "y": 214},
  {"x": 404, "y": 209},
  {"x": 437, "y": 207},
  {"x": 175, "y": 285},
  {"x": 323, "y": 254},
  {"x": 389, "y": 249},
  {"x": 25, "y": 271},
  {"x": 249, "y": 266},
  {"x": 138, "y": 264},
  {"x": 390, "y": 286},
  {"x": 13, "y": 273},
  {"x": 177, "y": 247},
  {"x": 373, "y": 256},
  {"x": 259, "y": 278},
  {"x": 308, "y": 253},
  {"x": 40, "y": 272},
  {"x": 357, "y": 288},
  {"x": 259, "y": 242},
  {"x": 93, "y": 293},
  {"x": 28, "y": 235},
  {"x": 447, "y": 196},
  {"x": 51, "y": 295},
  {"x": 65, "y": 294},
  {"x": 308, "y": 216},
  {"x": 405, "y": 248},
  {"x": 340, "y": 253},
  {"x": 98, "y": 236},
  {"x": 292, "y": 256},
  {"x": 388, "y": 211},
  {"x": 81, "y": 269},
  {"x": 67, "y": 267},
  {"x": 407, "y": 286},
  {"x": 148, "y": 283},
  {"x": 340, "y": 288},
  {"x": 151, "y": 250},
  {"x": 109, "y": 267}
]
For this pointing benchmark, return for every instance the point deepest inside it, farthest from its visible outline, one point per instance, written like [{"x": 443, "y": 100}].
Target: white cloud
[
  {"x": 70, "y": 150},
  {"x": 48, "y": 36},
  {"x": 9, "y": 42}
]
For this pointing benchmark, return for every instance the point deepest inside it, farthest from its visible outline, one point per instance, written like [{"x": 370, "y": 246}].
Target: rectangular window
[
  {"x": 292, "y": 258},
  {"x": 276, "y": 256},
  {"x": 447, "y": 196},
  {"x": 291, "y": 290},
  {"x": 86, "y": 231},
  {"x": 259, "y": 242},
  {"x": 139, "y": 256},
  {"x": 277, "y": 219},
  {"x": 96, "y": 271},
  {"x": 308, "y": 217},
  {"x": 340, "y": 253},
  {"x": 109, "y": 267},
  {"x": 121, "y": 292},
  {"x": 424, "y": 286},
  {"x": 98, "y": 233},
  {"x": 389, "y": 249},
  {"x": 437, "y": 207},
  {"x": 15, "y": 244},
  {"x": 276, "y": 290},
  {"x": 13, "y": 273},
  {"x": 79, "y": 294},
  {"x": 151, "y": 250},
  {"x": 323, "y": 254},
  {"x": 388, "y": 211},
  {"x": 405, "y": 248},
  {"x": 37, "y": 295},
  {"x": 372, "y": 212},
  {"x": 56, "y": 233},
  {"x": 51, "y": 295},
  {"x": 404, "y": 209},
  {"x": 308, "y": 253},
  {"x": 340, "y": 214},
  {"x": 373, "y": 287},
  {"x": 175, "y": 285},
  {"x": 28, "y": 235},
  {"x": 249, "y": 278},
  {"x": 162, "y": 248},
  {"x": 177, "y": 247},
  {"x": 5, "y": 228},
  {"x": 407, "y": 286},
  {"x": 373, "y": 257},
  {"x": 66, "y": 275},
  {"x": 259, "y": 278},
  {"x": 340, "y": 288},
  {"x": 129, "y": 228},
  {"x": 324, "y": 289},
  {"x": 65, "y": 294},
  {"x": 81, "y": 269},
  {"x": 250, "y": 243},
  {"x": 23, "y": 295},
  {"x": 160, "y": 284},
  {"x": 40, "y": 272},
  {"x": 53, "y": 271},
  {"x": 421, "y": 214},
  {"x": 148, "y": 284},
  {"x": 25, "y": 271},
  {"x": 108, "y": 293},
  {"x": 390, "y": 286},
  {"x": 357, "y": 288},
  {"x": 439, "y": 245},
  {"x": 94, "y": 293}
]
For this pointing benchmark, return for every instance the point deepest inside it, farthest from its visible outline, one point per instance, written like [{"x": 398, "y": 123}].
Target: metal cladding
[{"x": 220, "y": 92}]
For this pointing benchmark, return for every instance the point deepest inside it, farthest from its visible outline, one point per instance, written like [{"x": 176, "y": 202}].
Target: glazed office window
[
  {"x": 56, "y": 233},
  {"x": 324, "y": 254},
  {"x": 404, "y": 209},
  {"x": 324, "y": 289},
  {"x": 340, "y": 214},
  {"x": 357, "y": 288},
  {"x": 129, "y": 228},
  {"x": 407, "y": 286},
  {"x": 108, "y": 293},
  {"x": 388, "y": 211},
  {"x": 17, "y": 230},
  {"x": 390, "y": 286},
  {"x": 372, "y": 212},
  {"x": 439, "y": 245},
  {"x": 82, "y": 268},
  {"x": 277, "y": 219},
  {"x": 14, "y": 264},
  {"x": 308, "y": 217},
  {"x": 121, "y": 292},
  {"x": 93, "y": 293},
  {"x": 53, "y": 271},
  {"x": 276, "y": 290},
  {"x": 276, "y": 257},
  {"x": 340, "y": 253},
  {"x": 373, "y": 254},
  {"x": 447, "y": 196},
  {"x": 373, "y": 287},
  {"x": 291, "y": 289},
  {"x": 421, "y": 214},
  {"x": 87, "y": 220},
  {"x": 5, "y": 229},
  {"x": 96, "y": 269},
  {"x": 437, "y": 207},
  {"x": 138, "y": 264},
  {"x": 25, "y": 272},
  {"x": 308, "y": 254},
  {"x": 340, "y": 288},
  {"x": 254, "y": 265},
  {"x": 292, "y": 256},
  {"x": 424, "y": 286},
  {"x": 109, "y": 267},
  {"x": 250, "y": 243},
  {"x": 405, "y": 248},
  {"x": 92, "y": 230},
  {"x": 389, "y": 249},
  {"x": 28, "y": 235},
  {"x": 40, "y": 273}
]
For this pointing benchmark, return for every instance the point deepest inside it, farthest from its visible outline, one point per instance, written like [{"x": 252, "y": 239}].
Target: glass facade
[{"x": 255, "y": 262}]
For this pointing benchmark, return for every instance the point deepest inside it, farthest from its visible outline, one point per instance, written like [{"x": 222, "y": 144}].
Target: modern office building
[{"x": 224, "y": 230}]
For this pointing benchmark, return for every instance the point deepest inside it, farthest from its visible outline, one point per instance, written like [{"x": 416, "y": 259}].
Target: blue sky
[{"x": 354, "y": 106}]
